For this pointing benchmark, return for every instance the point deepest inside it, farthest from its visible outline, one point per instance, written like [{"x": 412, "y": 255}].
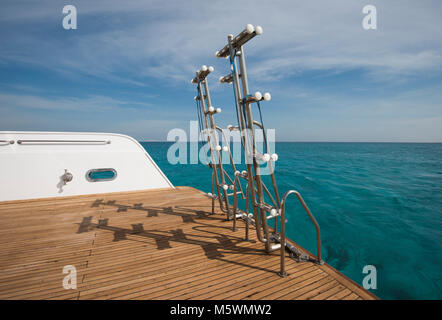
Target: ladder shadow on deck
[
  {"x": 154, "y": 211},
  {"x": 213, "y": 243}
]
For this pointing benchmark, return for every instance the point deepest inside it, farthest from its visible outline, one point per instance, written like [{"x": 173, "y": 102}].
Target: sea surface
[{"x": 377, "y": 204}]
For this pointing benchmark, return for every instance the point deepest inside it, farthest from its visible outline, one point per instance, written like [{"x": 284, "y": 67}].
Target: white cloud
[
  {"x": 91, "y": 103},
  {"x": 412, "y": 116},
  {"x": 161, "y": 44},
  {"x": 92, "y": 113},
  {"x": 169, "y": 40}
]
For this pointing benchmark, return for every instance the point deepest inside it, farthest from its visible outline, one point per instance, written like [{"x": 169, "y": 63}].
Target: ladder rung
[
  {"x": 202, "y": 74},
  {"x": 248, "y": 33},
  {"x": 264, "y": 206},
  {"x": 232, "y": 128},
  {"x": 272, "y": 216},
  {"x": 226, "y": 79},
  {"x": 199, "y": 98}
]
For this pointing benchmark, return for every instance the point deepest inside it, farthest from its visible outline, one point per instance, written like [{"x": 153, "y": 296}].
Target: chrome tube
[
  {"x": 6, "y": 142},
  {"x": 275, "y": 190},
  {"x": 231, "y": 159},
  {"x": 270, "y": 196},
  {"x": 282, "y": 272},
  {"x": 218, "y": 153},
  {"x": 235, "y": 203},
  {"x": 272, "y": 176},
  {"x": 250, "y": 127},
  {"x": 203, "y": 106},
  {"x": 213, "y": 193},
  {"x": 63, "y": 142},
  {"x": 247, "y": 211},
  {"x": 242, "y": 129}
]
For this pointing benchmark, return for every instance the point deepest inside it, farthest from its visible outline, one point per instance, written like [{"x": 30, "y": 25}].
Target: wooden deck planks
[{"x": 158, "y": 244}]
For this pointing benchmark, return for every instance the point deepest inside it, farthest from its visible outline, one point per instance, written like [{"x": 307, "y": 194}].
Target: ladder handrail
[{"x": 312, "y": 218}]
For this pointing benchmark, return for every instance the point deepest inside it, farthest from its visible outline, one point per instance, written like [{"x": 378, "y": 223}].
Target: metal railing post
[{"x": 312, "y": 218}]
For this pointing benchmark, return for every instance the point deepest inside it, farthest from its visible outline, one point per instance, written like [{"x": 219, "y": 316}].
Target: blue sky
[{"x": 127, "y": 67}]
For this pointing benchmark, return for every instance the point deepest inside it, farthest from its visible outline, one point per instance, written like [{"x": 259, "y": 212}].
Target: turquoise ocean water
[{"x": 377, "y": 204}]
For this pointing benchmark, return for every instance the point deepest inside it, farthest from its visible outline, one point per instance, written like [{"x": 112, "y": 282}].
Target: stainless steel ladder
[{"x": 255, "y": 186}]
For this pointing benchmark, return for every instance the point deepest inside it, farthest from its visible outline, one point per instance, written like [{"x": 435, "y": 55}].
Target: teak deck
[{"x": 161, "y": 244}]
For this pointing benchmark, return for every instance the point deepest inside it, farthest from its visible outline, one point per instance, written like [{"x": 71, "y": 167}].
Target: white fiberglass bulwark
[{"x": 51, "y": 164}]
